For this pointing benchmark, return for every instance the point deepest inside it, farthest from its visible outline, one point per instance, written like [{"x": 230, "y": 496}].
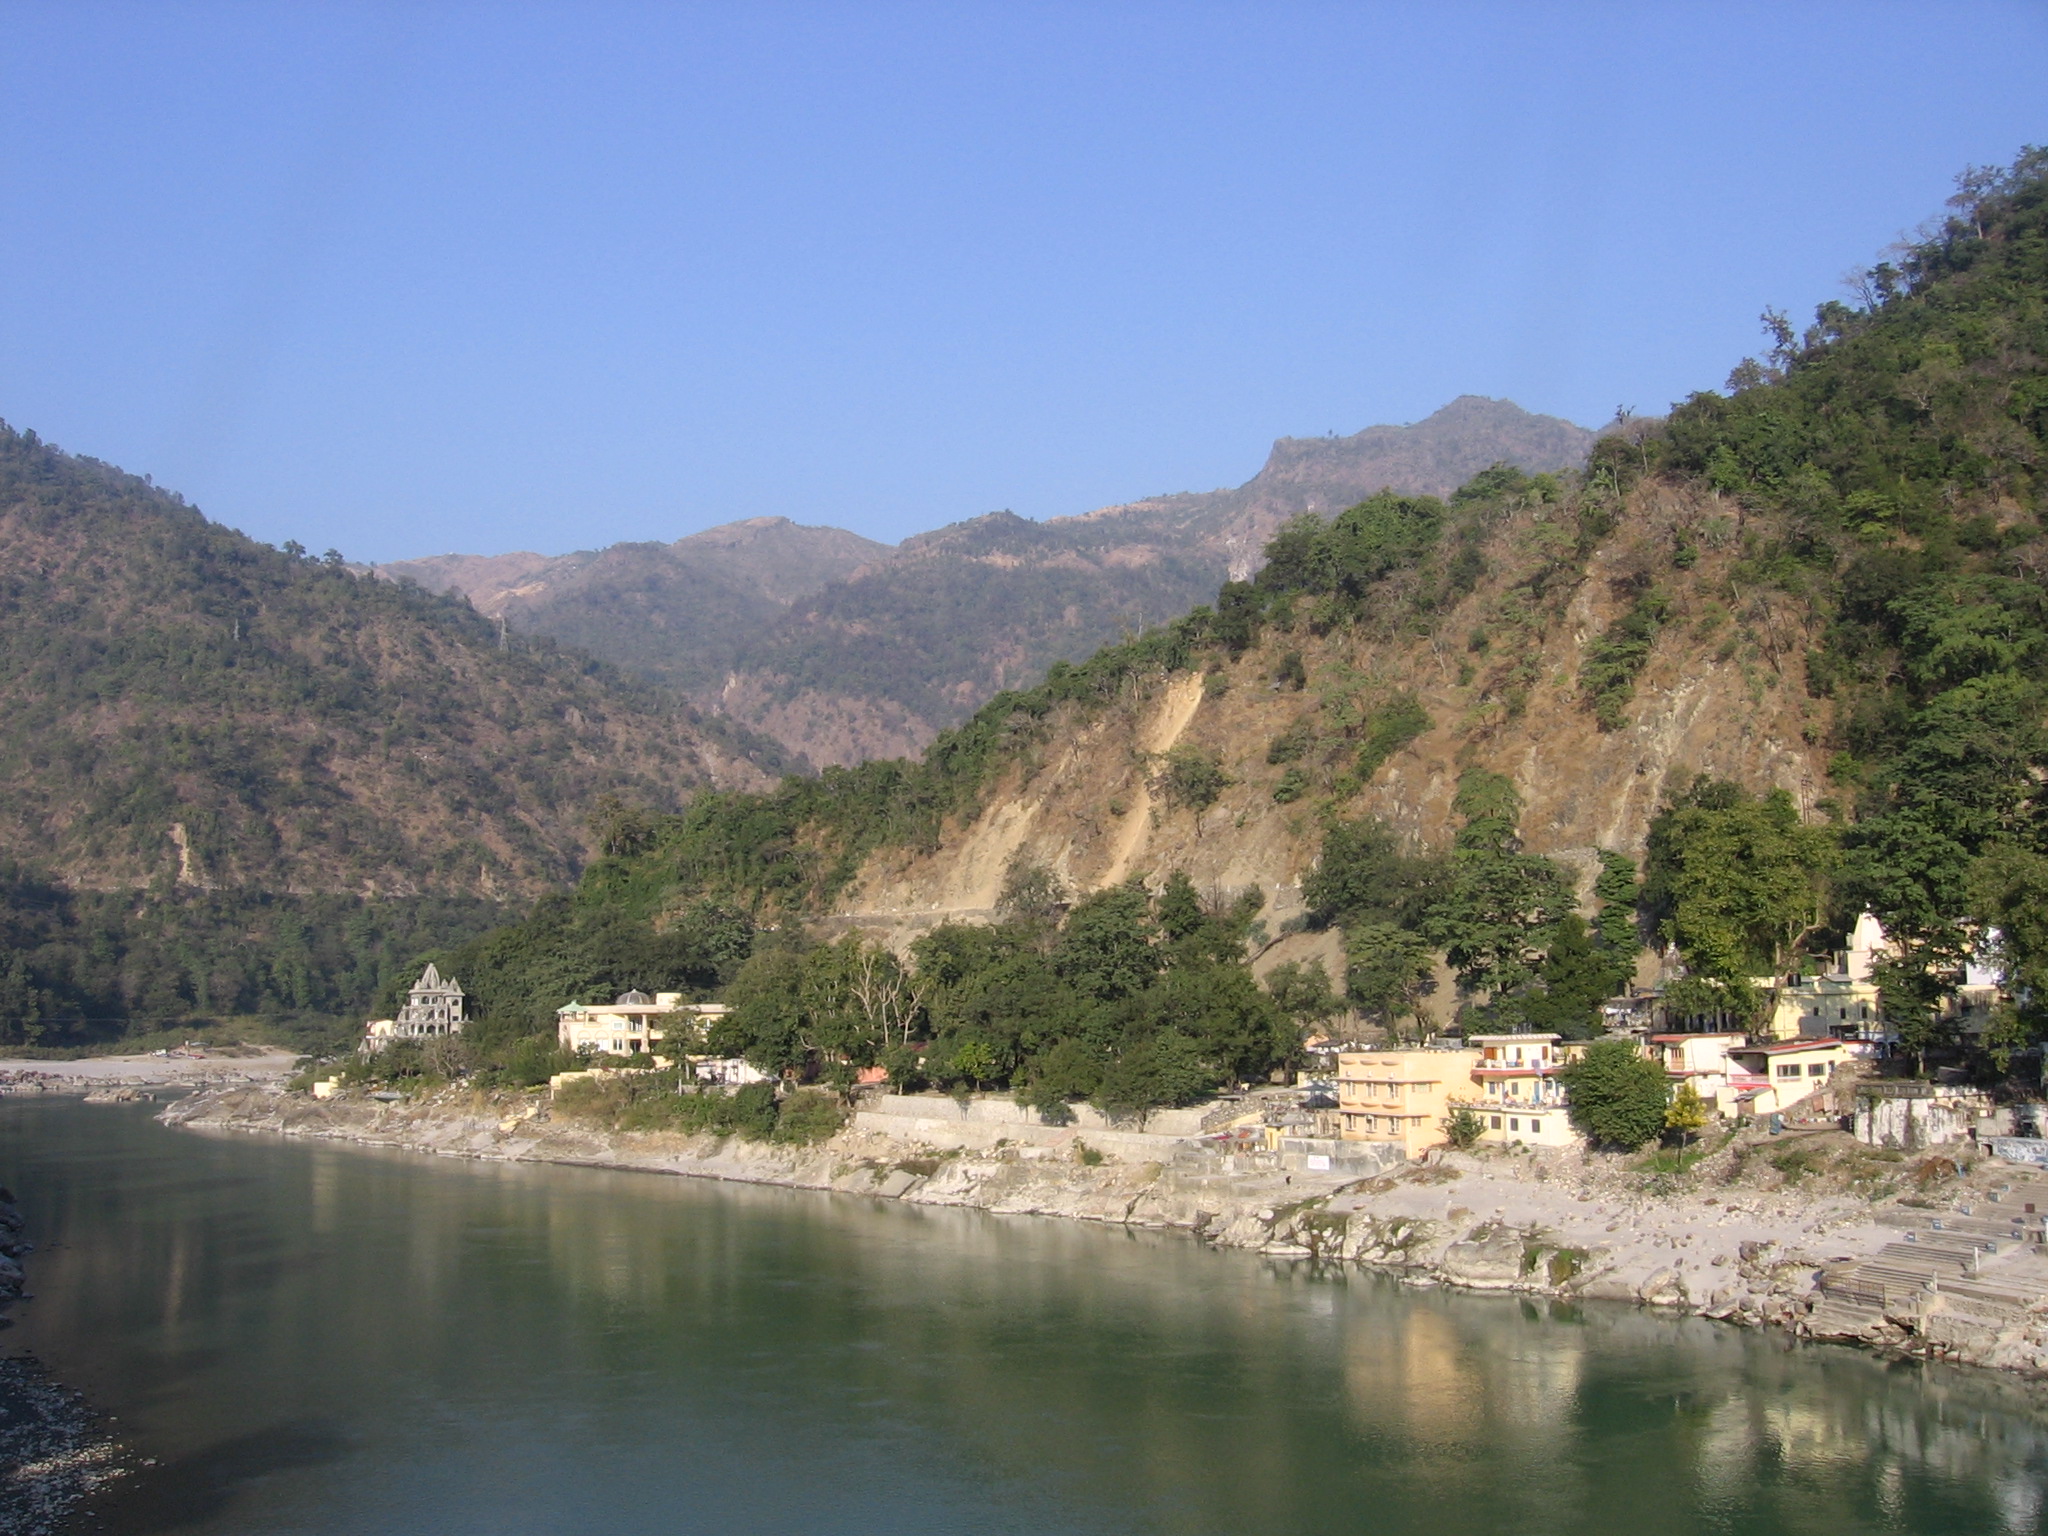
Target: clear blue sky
[{"x": 412, "y": 278}]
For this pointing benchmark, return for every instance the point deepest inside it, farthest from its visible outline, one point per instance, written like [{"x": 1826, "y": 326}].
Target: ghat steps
[{"x": 1981, "y": 1268}]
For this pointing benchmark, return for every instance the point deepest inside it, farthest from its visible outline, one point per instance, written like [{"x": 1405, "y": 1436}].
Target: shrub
[
  {"x": 1390, "y": 728},
  {"x": 808, "y": 1116},
  {"x": 1291, "y": 743},
  {"x": 1464, "y": 1128},
  {"x": 750, "y": 1111},
  {"x": 1192, "y": 778},
  {"x": 1607, "y": 675},
  {"x": 1618, "y": 1095}
]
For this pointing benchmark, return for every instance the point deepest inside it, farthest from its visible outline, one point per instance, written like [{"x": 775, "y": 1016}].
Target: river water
[{"x": 328, "y": 1339}]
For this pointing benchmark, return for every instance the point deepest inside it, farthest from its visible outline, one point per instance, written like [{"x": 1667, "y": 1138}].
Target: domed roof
[{"x": 633, "y": 997}]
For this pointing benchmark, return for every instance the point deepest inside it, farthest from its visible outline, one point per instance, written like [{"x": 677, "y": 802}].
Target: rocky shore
[
  {"x": 54, "y": 1449},
  {"x": 115, "y": 1075},
  {"x": 1802, "y": 1233}
]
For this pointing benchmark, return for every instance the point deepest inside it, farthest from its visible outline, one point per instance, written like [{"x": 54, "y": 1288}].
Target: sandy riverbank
[
  {"x": 214, "y": 1069},
  {"x": 1740, "y": 1239}
]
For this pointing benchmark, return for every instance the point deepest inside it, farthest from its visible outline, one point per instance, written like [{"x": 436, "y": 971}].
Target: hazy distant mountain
[
  {"x": 677, "y": 613},
  {"x": 880, "y": 662},
  {"x": 845, "y": 649}
]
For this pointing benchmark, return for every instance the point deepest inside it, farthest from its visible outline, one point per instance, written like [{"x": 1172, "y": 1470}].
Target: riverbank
[
  {"x": 89, "y": 1074},
  {"x": 1798, "y": 1233},
  {"x": 54, "y": 1448}
]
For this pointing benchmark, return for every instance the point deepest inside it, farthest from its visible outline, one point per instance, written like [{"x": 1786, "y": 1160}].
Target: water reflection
[{"x": 332, "y": 1339}]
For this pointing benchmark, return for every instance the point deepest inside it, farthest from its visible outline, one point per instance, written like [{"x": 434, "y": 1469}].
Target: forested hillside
[
  {"x": 1759, "y": 667},
  {"x": 185, "y": 706},
  {"x": 186, "y": 713}
]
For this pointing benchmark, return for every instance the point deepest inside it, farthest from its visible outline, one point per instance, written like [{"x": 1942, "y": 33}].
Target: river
[{"x": 319, "y": 1338}]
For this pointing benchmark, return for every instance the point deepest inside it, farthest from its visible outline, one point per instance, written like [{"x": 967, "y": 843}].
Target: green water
[{"x": 322, "y": 1338}]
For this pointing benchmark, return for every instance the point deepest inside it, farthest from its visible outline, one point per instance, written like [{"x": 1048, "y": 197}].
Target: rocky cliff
[{"x": 1498, "y": 680}]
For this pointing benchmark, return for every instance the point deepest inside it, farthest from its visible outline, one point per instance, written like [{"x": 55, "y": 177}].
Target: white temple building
[{"x": 434, "y": 1007}]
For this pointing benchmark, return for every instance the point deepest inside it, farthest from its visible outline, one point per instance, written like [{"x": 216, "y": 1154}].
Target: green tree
[
  {"x": 1362, "y": 874},
  {"x": 1737, "y": 882},
  {"x": 1180, "y": 908},
  {"x": 1301, "y": 989},
  {"x": 1031, "y": 891},
  {"x": 974, "y": 1061},
  {"x": 1387, "y": 970},
  {"x": 1618, "y": 1096},
  {"x": 1576, "y": 976},
  {"x": 1191, "y": 778},
  {"x": 1156, "y": 1073},
  {"x": 1498, "y": 905},
  {"x": 1217, "y": 1007},
  {"x": 1107, "y": 949},
  {"x": 1616, "y": 890},
  {"x": 2009, "y": 895}
]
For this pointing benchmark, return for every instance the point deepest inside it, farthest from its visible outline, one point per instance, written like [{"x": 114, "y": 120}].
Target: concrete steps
[{"x": 1984, "y": 1261}]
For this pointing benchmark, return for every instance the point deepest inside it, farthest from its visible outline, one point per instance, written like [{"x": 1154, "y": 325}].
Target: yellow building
[
  {"x": 1842, "y": 1002},
  {"x": 1517, "y": 1094},
  {"x": 1791, "y": 1071},
  {"x": 1401, "y": 1097},
  {"x": 1825, "y": 1007},
  {"x": 626, "y": 1027}
]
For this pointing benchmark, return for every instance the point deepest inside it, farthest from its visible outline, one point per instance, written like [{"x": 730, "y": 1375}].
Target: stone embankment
[
  {"x": 54, "y": 1449},
  {"x": 1800, "y": 1233}
]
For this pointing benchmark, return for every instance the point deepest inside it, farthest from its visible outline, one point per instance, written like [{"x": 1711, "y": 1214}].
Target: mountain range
[{"x": 843, "y": 649}]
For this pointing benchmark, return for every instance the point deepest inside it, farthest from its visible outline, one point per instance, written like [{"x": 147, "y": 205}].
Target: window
[
  {"x": 1496, "y": 1122},
  {"x": 1788, "y": 1069},
  {"x": 1514, "y": 1125},
  {"x": 1817, "y": 1069}
]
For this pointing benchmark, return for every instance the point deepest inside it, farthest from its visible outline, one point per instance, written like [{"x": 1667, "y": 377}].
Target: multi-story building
[
  {"x": 629, "y": 1026},
  {"x": 1518, "y": 1095},
  {"x": 1790, "y": 1071},
  {"x": 1707, "y": 1061},
  {"x": 1400, "y": 1096},
  {"x": 1831, "y": 1006},
  {"x": 1841, "y": 1002},
  {"x": 432, "y": 1008}
]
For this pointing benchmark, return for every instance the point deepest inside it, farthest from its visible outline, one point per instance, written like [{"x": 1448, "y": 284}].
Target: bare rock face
[{"x": 1081, "y": 797}]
